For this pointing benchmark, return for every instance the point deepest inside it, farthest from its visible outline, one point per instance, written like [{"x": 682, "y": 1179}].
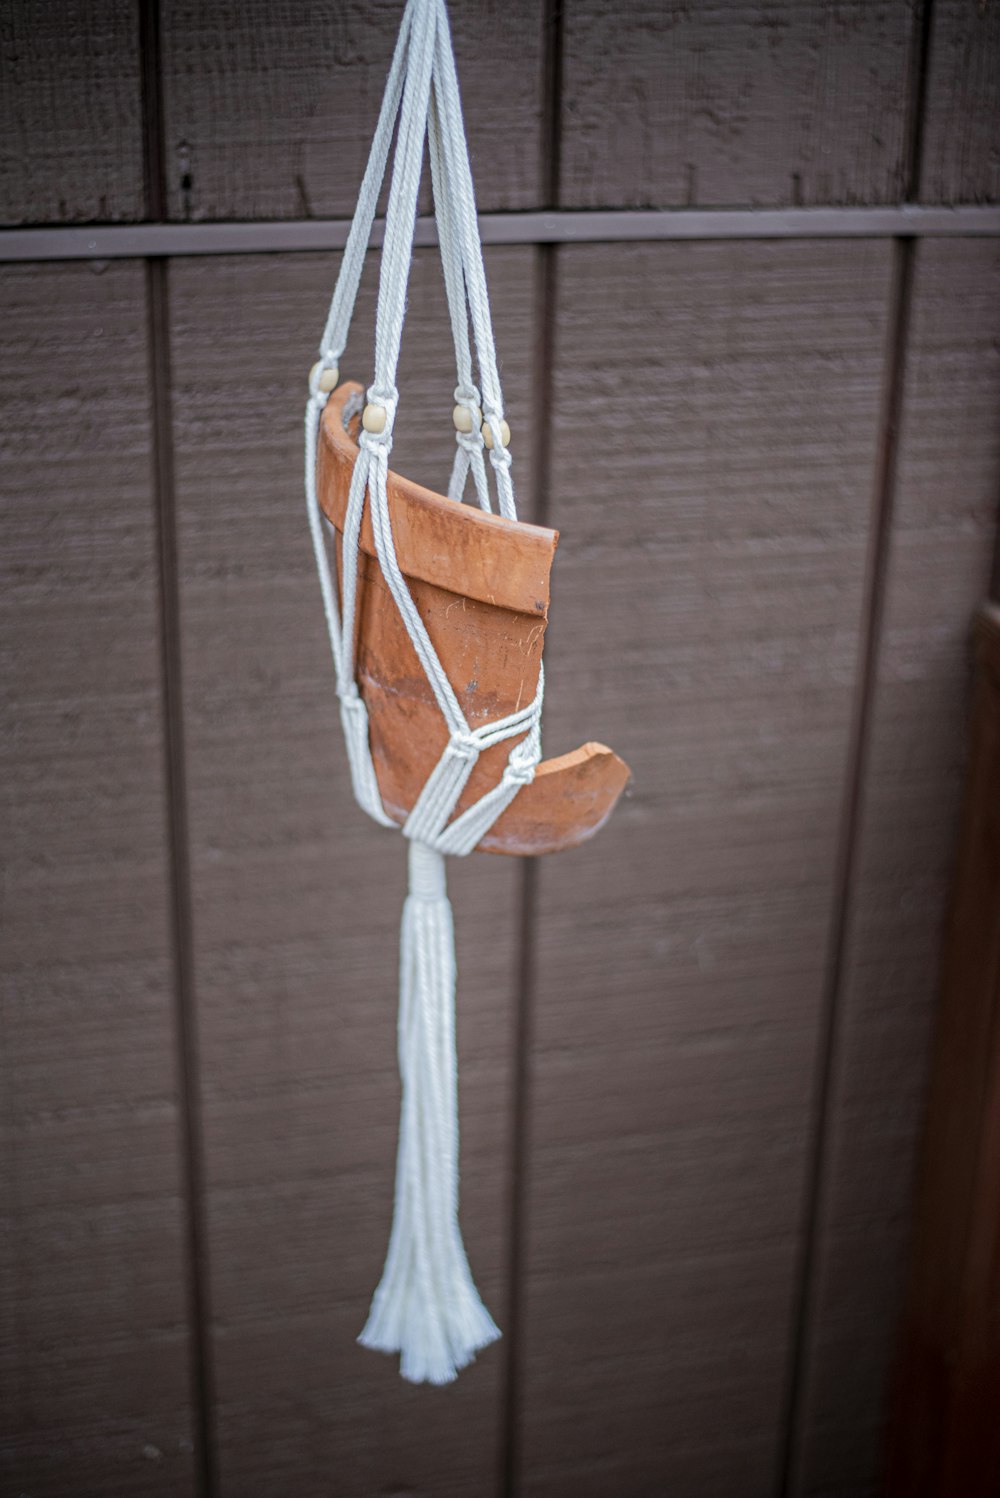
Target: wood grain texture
[
  {"x": 298, "y": 898},
  {"x": 673, "y": 104},
  {"x": 70, "y": 112},
  {"x": 714, "y": 447},
  {"x": 961, "y": 138},
  {"x": 95, "y": 1343},
  {"x": 271, "y": 106},
  {"x": 939, "y": 568}
]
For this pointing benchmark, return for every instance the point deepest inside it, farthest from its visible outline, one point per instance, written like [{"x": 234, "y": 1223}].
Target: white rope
[
  {"x": 426, "y": 1306},
  {"x": 456, "y": 153},
  {"x": 345, "y": 292},
  {"x": 469, "y": 445}
]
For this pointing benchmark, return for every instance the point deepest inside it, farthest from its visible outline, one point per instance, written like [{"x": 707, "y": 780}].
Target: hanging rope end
[
  {"x": 427, "y": 1307},
  {"x": 431, "y": 1348}
]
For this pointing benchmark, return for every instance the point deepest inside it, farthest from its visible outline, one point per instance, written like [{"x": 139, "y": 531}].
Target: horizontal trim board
[{"x": 118, "y": 241}]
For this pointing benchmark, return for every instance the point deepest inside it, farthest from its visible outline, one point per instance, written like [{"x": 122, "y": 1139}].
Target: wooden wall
[{"x": 693, "y": 1053}]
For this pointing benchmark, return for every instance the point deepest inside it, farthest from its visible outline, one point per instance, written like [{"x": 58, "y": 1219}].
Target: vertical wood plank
[
  {"x": 672, "y": 105},
  {"x": 948, "y": 479},
  {"x": 945, "y": 1437},
  {"x": 961, "y": 157},
  {"x": 95, "y": 1342},
  {"x": 714, "y": 448},
  {"x": 297, "y": 900},
  {"x": 270, "y": 106},
  {"x": 70, "y": 112}
]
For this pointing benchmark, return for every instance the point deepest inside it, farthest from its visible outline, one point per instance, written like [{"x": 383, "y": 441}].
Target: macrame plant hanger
[{"x": 419, "y": 690}]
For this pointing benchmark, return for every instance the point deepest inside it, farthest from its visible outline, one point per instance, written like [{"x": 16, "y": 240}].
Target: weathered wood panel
[
  {"x": 270, "y": 107},
  {"x": 714, "y": 443},
  {"x": 939, "y": 567},
  {"x": 70, "y": 112},
  {"x": 672, "y": 104},
  {"x": 297, "y": 904},
  {"x": 961, "y": 150},
  {"x": 95, "y": 1343}
]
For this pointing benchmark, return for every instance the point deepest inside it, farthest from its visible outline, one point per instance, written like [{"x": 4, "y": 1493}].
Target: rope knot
[
  {"x": 323, "y": 376},
  {"x": 500, "y": 458},
  {"x": 520, "y": 770},
  {"x": 463, "y": 746},
  {"x": 468, "y": 414},
  {"x": 386, "y": 399}
]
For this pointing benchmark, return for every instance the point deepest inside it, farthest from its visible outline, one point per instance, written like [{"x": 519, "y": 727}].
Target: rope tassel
[{"x": 427, "y": 1307}]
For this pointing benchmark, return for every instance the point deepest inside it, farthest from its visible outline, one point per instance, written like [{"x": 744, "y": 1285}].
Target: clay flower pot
[{"x": 481, "y": 585}]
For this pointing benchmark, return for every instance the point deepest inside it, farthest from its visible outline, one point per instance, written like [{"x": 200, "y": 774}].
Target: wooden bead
[
  {"x": 373, "y": 419},
  {"x": 327, "y": 379},
  {"x": 504, "y": 434},
  {"x": 467, "y": 420}
]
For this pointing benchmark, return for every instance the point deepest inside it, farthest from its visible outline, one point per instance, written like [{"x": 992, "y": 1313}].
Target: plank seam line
[
  {"x": 563, "y": 226},
  {"x": 526, "y": 966},
  {"x": 191, "y": 1146},
  {"x": 849, "y": 838},
  {"x": 804, "y": 1306},
  {"x": 918, "y": 85},
  {"x": 188, "y": 1079}
]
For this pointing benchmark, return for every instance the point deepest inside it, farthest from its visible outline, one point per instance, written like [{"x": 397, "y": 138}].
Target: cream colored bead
[
  {"x": 466, "y": 419},
  {"x": 327, "y": 377},
  {"x": 504, "y": 434},
  {"x": 373, "y": 419}
]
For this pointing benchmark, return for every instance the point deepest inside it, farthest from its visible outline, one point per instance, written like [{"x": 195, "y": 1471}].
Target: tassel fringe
[{"x": 427, "y": 1307}]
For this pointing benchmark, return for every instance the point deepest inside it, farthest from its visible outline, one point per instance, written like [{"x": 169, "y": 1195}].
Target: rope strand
[{"x": 426, "y": 1306}]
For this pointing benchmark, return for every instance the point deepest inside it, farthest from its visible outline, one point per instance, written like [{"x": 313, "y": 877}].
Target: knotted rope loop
[
  {"x": 315, "y": 394},
  {"x": 466, "y": 394},
  {"x": 376, "y": 444},
  {"x": 520, "y": 767},
  {"x": 386, "y": 396},
  {"x": 463, "y": 746},
  {"x": 350, "y": 700},
  {"x": 354, "y": 725},
  {"x": 471, "y": 443}
]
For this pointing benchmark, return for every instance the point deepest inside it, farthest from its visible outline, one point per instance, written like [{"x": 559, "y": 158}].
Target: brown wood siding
[
  {"x": 70, "y": 112},
  {"x": 270, "y": 107},
  {"x": 95, "y": 1350},
  {"x": 674, "y": 1049},
  {"x": 671, "y": 105},
  {"x": 961, "y": 157},
  {"x": 938, "y": 570},
  {"x": 693, "y": 1053}
]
